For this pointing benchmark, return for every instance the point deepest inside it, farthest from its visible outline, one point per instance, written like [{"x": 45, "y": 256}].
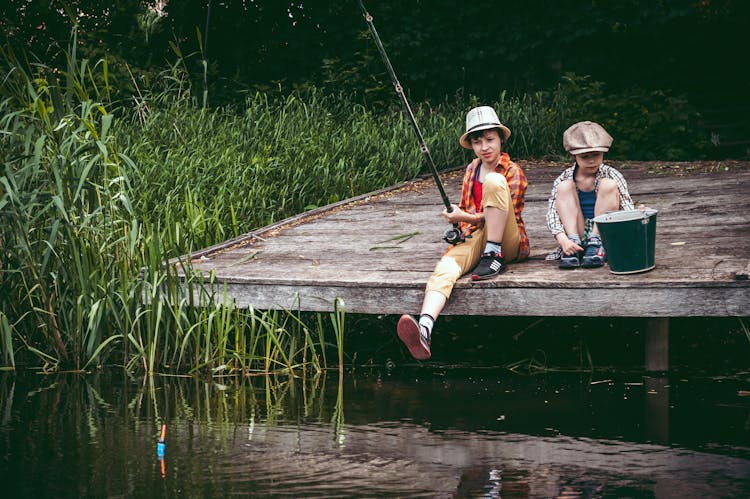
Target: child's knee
[
  {"x": 607, "y": 187},
  {"x": 495, "y": 192},
  {"x": 566, "y": 187},
  {"x": 447, "y": 269},
  {"x": 446, "y": 273},
  {"x": 494, "y": 181}
]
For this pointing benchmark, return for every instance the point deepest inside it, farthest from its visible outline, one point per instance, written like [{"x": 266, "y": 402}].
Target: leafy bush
[{"x": 646, "y": 124}]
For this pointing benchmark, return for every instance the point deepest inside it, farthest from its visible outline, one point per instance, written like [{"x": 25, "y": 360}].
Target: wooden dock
[{"x": 376, "y": 252}]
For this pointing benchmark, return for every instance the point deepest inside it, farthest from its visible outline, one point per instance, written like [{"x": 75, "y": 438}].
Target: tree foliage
[
  {"x": 437, "y": 46},
  {"x": 440, "y": 49}
]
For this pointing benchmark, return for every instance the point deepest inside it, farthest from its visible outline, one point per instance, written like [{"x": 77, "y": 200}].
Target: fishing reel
[{"x": 454, "y": 235}]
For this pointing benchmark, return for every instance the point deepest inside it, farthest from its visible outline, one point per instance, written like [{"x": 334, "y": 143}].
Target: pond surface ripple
[{"x": 415, "y": 433}]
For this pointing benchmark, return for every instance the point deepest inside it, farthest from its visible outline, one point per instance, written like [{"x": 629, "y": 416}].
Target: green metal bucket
[{"x": 629, "y": 239}]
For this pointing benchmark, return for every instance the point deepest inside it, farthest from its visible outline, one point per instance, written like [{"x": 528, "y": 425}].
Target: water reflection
[
  {"x": 657, "y": 408},
  {"x": 421, "y": 433}
]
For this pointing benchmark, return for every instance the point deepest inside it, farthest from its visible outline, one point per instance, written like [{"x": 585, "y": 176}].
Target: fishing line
[{"x": 454, "y": 234}]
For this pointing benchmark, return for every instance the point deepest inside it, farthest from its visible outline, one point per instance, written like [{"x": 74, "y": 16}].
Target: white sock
[
  {"x": 426, "y": 321},
  {"x": 493, "y": 247}
]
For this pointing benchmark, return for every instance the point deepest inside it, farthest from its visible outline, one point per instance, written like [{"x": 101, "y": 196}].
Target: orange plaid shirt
[{"x": 517, "y": 184}]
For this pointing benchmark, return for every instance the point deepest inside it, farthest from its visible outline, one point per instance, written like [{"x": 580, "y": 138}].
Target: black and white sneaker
[
  {"x": 570, "y": 261},
  {"x": 490, "y": 265},
  {"x": 593, "y": 255}
]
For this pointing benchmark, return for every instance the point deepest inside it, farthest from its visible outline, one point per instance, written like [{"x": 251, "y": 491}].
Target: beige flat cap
[{"x": 586, "y": 136}]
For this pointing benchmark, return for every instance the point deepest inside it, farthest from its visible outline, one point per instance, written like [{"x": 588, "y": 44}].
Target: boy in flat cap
[
  {"x": 492, "y": 198},
  {"x": 585, "y": 190}
]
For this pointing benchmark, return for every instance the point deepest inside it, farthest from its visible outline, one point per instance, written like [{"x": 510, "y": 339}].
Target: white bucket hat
[
  {"x": 482, "y": 118},
  {"x": 586, "y": 136}
]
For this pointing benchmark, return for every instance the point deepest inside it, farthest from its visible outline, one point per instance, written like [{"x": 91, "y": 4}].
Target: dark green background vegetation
[{"x": 664, "y": 76}]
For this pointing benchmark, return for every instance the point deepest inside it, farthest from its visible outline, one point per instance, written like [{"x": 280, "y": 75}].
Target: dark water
[{"x": 422, "y": 432}]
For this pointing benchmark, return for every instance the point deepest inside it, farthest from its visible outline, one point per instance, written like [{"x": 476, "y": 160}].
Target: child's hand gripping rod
[{"x": 454, "y": 234}]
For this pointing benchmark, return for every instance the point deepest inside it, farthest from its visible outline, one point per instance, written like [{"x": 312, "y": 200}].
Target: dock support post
[{"x": 657, "y": 344}]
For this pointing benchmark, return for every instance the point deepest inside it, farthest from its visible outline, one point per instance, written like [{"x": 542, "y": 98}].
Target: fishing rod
[{"x": 454, "y": 235}]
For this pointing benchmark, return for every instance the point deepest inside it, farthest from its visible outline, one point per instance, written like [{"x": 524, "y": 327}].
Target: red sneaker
[{"x": 410, "y": 332}]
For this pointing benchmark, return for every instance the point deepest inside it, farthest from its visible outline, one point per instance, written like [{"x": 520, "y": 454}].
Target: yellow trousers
[{"x": 463, "y": 257}]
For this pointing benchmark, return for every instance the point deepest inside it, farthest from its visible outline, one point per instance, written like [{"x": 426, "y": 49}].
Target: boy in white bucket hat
[
  {"x": 585, "y": 190},
  {"x": 492, "y": 198}
]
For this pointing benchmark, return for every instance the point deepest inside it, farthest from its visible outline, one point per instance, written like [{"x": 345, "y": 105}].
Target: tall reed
[
  {"x": 84, "y": 277},
  {"x": 65, "y": 210}
]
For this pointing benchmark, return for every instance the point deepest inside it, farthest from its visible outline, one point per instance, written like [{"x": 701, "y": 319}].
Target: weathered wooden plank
[
  {"x": 608, "y": 302},
  {"x": 691, "y": 265},
  {"x": 673, "y": 238},
  {"x": 522, "y": 275},
  {"x": 550, "y": 280},
  {"x": 527, "y": 274}
]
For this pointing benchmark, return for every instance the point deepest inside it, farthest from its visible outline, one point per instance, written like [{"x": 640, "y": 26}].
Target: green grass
[{"x": 94, "y": 203}]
